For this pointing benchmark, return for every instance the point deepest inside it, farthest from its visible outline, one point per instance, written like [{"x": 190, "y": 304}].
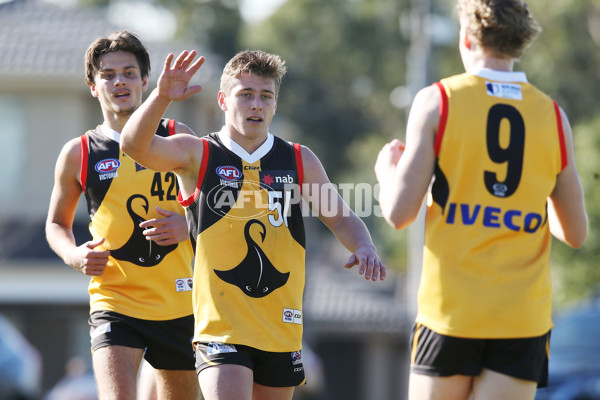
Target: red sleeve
[
  {"x": 84, "y": 161},
  {"x": 299, "y": 166},
  {"x": 171, "y": 127},
  {"x": 561, "y": 137},
  {"x": 443, "y": 117},
  {"x": 201, "y": 174}
]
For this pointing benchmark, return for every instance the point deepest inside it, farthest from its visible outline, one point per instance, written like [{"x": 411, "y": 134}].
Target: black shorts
[
  {"x": 439, "y": 355},
  {"x": 270, "y": 369},
  {"x": 168, "y": 344}
]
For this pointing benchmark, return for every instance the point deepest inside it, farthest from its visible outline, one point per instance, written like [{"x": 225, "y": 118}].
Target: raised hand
[{"x": 175, "y": 77}]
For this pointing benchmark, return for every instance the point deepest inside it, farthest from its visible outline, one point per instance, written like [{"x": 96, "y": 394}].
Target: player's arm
[
  {"x": 179, "y": 153},
  {"x": 171, "y": 227},
  {"x": 335, "y": 213},
  {"x": 566, "y": 209},
  {"x": 61, "y": 213},
  {"x": 404, "y": 172}
]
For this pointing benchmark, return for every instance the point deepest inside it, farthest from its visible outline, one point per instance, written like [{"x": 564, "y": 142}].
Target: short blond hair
[
  {"x": 256, "y": 62},
  {"x": 502, "y": 27}
]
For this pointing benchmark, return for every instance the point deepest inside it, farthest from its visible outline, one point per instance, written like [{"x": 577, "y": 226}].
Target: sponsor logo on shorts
[
  {"x": 296, "y": 357},
  {"x": 100, "y": 330},
  {"x": 183, "y": 284},
  {"x": 218, "y": 348},
  {"x": 292, "y": 316}
]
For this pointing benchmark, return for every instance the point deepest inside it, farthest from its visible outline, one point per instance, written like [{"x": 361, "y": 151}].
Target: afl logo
[
  {"x": 229, "y": 173},
  {"x": 107, "y": 165},
  {"x": 288, "y": 314}
]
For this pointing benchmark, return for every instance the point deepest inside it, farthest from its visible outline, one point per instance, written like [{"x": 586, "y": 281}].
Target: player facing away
[
  {"x": 139, "y": 258},
  {"x": 500, "y": 153},
  {"x": 237, "y": 185}
]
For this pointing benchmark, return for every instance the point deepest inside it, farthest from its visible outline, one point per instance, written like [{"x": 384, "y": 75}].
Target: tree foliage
[
  {"x": 343, "y": 58},
  {"x": 565, "y": 62}
]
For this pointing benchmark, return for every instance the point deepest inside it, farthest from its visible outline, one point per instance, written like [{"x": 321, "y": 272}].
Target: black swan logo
[
  {"x": 255, "y": 275},
  {"x": 139, "y": 250}
]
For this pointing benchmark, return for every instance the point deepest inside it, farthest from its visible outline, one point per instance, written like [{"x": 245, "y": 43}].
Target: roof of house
[
  {"x": 42, "y": 39},
  {"x": 339, "y": 300}
]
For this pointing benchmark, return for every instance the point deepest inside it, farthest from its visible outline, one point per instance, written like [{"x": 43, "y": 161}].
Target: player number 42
[{"x": 170, "y": 184}]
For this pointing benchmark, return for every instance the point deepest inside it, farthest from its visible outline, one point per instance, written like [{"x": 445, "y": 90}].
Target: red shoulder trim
[
  {"x": 561, "y": 137},
  {"x": 171, "y": 127},
  {"x": 443, "y": 117},
  {"x": 84, "y": 161},
  {"x": 299, "y": 166},
  {"x": 201, "y": 174}
]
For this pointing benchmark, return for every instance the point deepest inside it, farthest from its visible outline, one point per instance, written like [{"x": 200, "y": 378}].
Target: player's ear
[
  {"x": 221, "y": 100},
  {"x": 93, "y": 91},
  {"x": 145, "y": 83},
  {"x": 467, "y": 41}
]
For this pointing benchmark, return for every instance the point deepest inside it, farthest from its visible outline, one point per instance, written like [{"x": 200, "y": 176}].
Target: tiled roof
[
  {"x": 39, "y": 38},
  {"x": 338, "y": 300}
]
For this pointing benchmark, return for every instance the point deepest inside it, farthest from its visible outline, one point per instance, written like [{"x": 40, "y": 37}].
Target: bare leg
[
  {"x": 226, "y": 382},
  {"x": 490, "y": 384},
  {"x": 272, "y": 393},
  {"x": 116, "y": 372},
  {"x": 146, "y": 382},
  {"x": 425, "y": 387},
  {"x": 176, "y": 385}
]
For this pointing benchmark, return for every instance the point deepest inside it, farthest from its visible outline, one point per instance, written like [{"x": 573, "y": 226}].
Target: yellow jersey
[
  {"x": 499, "y": 148},
  {"x": 142, "y": 280},
  {"x": 246, "y": 222}
]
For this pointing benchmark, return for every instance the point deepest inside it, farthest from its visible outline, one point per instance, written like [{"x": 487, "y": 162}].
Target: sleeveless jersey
[
  {"x": 499, "y": 149},
  {"x": 142, "y": 280},
  {"x": 245, "y": 219}
]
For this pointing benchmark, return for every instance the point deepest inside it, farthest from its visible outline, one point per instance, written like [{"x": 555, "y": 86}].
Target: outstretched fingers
[
  {"x": 196, "y": 66},
  {"x": 185, "y": 61},
  {"x": 368, "y": 263},
  {"x": 184, "y": 57},
  {"x": 174, "y": 82},
  {"x": 168, "y": 62}
]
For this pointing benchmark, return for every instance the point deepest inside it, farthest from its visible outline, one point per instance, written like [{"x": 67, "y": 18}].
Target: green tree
[
  {"x": 343, "y": 58},
  {"x": 564, "y": 62},
  {"x": 213, "y": 24}
]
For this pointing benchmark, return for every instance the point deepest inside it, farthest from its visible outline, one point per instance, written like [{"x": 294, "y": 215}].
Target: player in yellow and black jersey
[
  {"x": 139, "y": 258},
  {"x": 241, "y": 188},
  {"x": 500, "y": 152}
]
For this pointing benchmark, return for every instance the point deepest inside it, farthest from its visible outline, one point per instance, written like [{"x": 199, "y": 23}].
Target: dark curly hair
[{"x": 117, "y": 41}]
